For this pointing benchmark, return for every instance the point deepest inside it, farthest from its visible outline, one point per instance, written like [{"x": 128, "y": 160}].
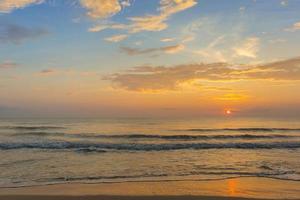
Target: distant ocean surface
[{"x": 50, "y": 151}]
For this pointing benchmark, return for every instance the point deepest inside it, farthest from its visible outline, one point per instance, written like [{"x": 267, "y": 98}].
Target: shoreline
[
  {"x": 234, "y": 188},
  {"x": 102, "y": 197},
  {"x": 145, "y": 181}
]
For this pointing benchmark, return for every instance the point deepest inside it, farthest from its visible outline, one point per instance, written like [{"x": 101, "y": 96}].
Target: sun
[{"x": 228, "y": 112}]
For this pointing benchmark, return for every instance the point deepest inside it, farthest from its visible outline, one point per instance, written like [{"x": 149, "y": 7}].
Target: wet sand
[
  {"x": 99, "y": 197},
  {"x": 238, "y": 188}
]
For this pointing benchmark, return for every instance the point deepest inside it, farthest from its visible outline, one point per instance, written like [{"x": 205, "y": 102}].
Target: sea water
[{"x": 50, "y": 151}]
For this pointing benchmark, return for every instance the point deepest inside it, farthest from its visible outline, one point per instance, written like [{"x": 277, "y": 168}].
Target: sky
[{"x": 149, "y": 58}]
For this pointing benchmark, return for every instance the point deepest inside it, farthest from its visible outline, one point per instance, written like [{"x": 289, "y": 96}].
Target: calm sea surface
[{"x": 48, "y": 151}]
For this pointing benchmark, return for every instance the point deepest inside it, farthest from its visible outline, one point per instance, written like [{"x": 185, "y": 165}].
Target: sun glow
[
  {"x": 232, "y": 187},
  {"x": 228, "y": 112}
]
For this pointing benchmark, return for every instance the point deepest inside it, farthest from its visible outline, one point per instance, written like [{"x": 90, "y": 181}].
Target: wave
[
  {"x": 148, "y": 178},
  {"x": 39, "y": 133},
  {"x": 93, "y": 147},
  {"x": 164, "y": 137},
  {"x": 186, "y": 137},
  {"x": 91, "y": 178},
  {"x": 32, "y": 128},
  {"x": 242, "y": 129},
  {"x": 166, "y": 176}
]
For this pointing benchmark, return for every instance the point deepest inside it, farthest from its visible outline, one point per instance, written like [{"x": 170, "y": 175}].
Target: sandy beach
[
  {"x": 99, "y": 197},
  {"x": 239, "y": 188}
]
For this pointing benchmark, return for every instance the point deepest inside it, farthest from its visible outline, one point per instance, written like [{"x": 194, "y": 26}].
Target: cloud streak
[
  {"x": 172, "y": 49},
  {"x": 170, "y": 78},
  {"x": 116, "y": 38},
  {"x": 158, "y": 22},
  {"x": 8, "y": 65},
  {"x": 7, "y": 6},
  {"x": 249, "y": 48},
  {"x": 16, "y": 34}
]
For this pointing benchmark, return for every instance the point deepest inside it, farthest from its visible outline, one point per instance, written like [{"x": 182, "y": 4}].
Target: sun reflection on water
[{"x": 232, "y": 187}]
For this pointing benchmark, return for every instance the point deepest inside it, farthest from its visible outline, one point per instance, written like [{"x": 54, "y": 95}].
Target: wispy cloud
[
  {"x": 116, "y": 38},
  {"x": 47, "y": 71},
  {"x": 158, "y": 22},
  {"x": 166, "y": 49},
  {"x": 16, "y": 34},
  {"x": 295, "y": 27},
  {"x": 6, "y": 6},
  {"x": 97, "y": 28},
  {"x": 170, "y": 78},
  {"x": 173, "y": 49},
  {"x": 211, "y": 52},
  {"x": 284, "y": 2},
  {"x": 168, "y": 39},
  {"x": 8, "y": 65},
  {"x": 154, "y": 22},
  {"x": 249, "y": 48},
  {"x": 104, "y": 26}
]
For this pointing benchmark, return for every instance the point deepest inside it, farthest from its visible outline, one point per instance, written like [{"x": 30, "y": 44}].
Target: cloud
[
  {"x": 231, "y": 97},
  {"x": 188, "y": 39},
  {"x": 8, "y": 65},
  {"x": 173, "y": 49},
  {"x": 158, "y": 22},
  {"x": 154, "y": 22},
  {"x": 116, "y": 38},
  {"x": 47, "y": 71},
  {"x": 167, "y": 39},
  {"x": 148, "y": 23},
  {"x": 249, "y": 48},
  {"x": 166, "y": 49},
  {"x": 99, "y": 9},
  {"x": 148, "y": 78},
  {"x": 211, "y": 52},
  {"x": 17, "y": 34},
  {"x": 101, "y": 27},
  {"x": 125, "y": 3},
  {"x": 284, "y": 2},
  {"x": 97, "y": 28},
  {"x": 276, "y": 41},
  {"x": 6, "y": 6},
  {"x": 295, "y": 27}
]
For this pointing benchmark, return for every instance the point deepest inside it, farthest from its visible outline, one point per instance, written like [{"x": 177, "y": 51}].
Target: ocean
[{"x": 51, "y": 151}]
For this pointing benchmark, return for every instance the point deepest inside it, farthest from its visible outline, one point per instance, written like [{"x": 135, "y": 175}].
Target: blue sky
[{"x": 95, "y": 44}]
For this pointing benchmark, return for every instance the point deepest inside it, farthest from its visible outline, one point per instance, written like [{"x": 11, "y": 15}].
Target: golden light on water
[{"x": 232, "y": 187}]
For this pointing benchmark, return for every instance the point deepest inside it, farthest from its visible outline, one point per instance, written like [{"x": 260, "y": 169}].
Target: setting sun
[{"x": 228, "y": 112}]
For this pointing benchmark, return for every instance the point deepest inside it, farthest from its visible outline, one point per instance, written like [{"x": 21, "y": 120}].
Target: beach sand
[
  {"x": 101, "y": 197},
  {"x": 237, "y": 188}
]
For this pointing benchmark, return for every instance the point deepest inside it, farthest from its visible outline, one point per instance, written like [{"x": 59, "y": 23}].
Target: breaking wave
[
  {"x": 163, "y": 137},
  {"x": 187, "y": 137},
  {"x": 147, "y": 147},
  {"x": 32, "y": 128},
  {"x": 243, "y": 129}
]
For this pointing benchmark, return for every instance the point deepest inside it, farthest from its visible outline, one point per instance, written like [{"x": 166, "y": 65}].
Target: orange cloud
[
  {"x": 6, "y": 6},
  {"x": 98, "y": 9},
  {"x": 101, "y": 9},
  {"x": 170, "y": 78},
  {"x": 158, "y": 22}
]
